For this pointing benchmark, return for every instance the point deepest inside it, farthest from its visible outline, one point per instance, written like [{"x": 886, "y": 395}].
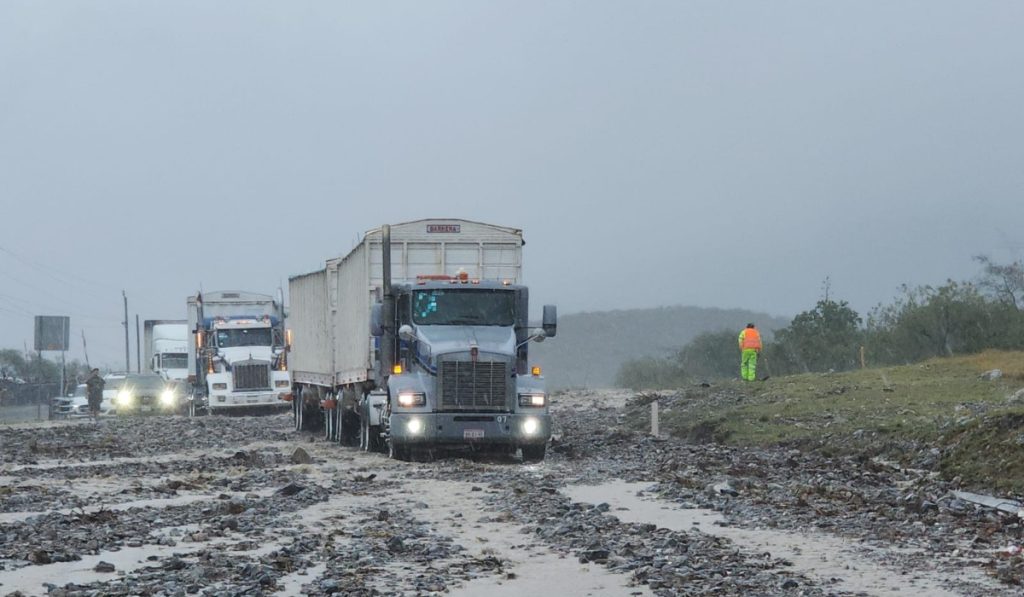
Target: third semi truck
[{"x": 418, "y": 339}]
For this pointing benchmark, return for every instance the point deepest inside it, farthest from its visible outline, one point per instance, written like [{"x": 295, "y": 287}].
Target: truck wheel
[
  {"x": 398, "y": 452},
  {"x": 373, "y": 438},
  {"x": 534, "y": 453}
]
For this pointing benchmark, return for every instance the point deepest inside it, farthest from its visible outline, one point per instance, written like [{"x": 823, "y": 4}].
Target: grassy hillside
[
  {"x": 940, "y": 414},
  {"x": 590, "y": 347}
]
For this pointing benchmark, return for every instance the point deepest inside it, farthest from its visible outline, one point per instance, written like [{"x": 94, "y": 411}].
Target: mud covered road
[{"x": 248, "y": 506}]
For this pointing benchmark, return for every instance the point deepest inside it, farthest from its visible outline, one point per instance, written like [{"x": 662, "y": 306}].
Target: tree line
[{"x": 920, "y": 323}]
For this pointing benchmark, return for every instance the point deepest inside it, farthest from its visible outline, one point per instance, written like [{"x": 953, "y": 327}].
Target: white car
[{"x": 77, "y": 404}]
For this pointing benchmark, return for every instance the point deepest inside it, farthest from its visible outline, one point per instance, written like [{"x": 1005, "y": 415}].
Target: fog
[{"x": 654, "y": 153}]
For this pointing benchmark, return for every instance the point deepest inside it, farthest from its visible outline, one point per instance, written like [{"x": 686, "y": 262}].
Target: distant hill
[{"x": 590, "y": 347}]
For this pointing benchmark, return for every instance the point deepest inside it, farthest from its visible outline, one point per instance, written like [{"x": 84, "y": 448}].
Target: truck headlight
[
  {"x": 220, "y": 386},
  {"x": 280, "y": 383},
  {"x": 530, "y": 426},
  {"x": 124, "y": 398},
  {"x": 411, "y": 399},
  {"x": 167, "y": 397},
  {"x": 415, "y": 426},
  {"x": 532, "y": 399}
]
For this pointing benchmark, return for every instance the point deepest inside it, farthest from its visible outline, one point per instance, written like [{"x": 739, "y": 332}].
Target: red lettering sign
[{"x": 444, "y": 228}]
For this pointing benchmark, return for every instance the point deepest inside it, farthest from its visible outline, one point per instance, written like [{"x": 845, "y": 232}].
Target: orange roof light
[
  {"x": 397, "y": 369},
  {"x": 535, "y": 371}
]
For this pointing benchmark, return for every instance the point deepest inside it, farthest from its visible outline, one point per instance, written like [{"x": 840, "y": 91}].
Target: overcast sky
[{"x": 728, "y": 154}]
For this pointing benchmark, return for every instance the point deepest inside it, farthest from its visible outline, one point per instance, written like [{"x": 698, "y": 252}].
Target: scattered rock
[
  {"x": 105, "y": 567},
  {"x": 301, "y": 456},
  {"x": 291, "y": 489},
  {"x": 992, "y": 374}
]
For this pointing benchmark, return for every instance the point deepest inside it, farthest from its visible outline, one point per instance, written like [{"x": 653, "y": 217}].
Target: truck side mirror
[
  {"x": 406, "y": 333},
  {"x": 376, "y": 325},
  {"x": 550, "y": 321}
]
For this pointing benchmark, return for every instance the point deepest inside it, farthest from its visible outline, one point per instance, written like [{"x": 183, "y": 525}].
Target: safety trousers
[{"x": 748, "y": 364}]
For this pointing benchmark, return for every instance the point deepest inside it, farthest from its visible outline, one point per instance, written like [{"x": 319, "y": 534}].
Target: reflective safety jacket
[{"x": 750, "y": 338}]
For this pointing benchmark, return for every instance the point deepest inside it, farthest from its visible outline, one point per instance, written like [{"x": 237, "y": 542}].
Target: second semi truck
[
  {"x": 238, "y": 356},
  {"x": 418, "y": 339}
]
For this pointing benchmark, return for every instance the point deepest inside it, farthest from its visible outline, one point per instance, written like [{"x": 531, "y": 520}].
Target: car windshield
[
  {"x": 243, "y": 337},
  {"x": 463, "y": 307},
  {"x": 175, "y": 360},
  {"x": 144, "y": 382}
]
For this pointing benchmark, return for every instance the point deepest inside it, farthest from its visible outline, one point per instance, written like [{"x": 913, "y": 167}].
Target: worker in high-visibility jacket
[{"x": 750, "y": 346}]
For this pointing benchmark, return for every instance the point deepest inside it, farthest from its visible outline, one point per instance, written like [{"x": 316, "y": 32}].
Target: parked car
[
  {"x": 77, "y": 404},
  {"x": 147, "y": 393}
]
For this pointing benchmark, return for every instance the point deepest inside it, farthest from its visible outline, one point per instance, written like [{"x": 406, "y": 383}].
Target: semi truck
[
  {"x": 418, "y": 340},
  {"x": 166, "y": 346},
  {"x": 238, "y": 356}
]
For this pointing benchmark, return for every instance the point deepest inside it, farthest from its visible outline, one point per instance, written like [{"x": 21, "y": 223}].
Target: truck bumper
[
  {"x": 234, "y": 400},
  {"x": 470, "y": 429}
]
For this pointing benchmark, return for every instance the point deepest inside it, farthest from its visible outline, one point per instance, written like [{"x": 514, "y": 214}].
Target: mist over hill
[{"x": 590, "y": 347}]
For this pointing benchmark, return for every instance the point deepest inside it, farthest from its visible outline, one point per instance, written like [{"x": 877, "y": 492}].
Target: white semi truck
[
  {"x": 166, "y": 346},
  {"x": 238, "y": 356},
  {"x": 418, "y": 339}
]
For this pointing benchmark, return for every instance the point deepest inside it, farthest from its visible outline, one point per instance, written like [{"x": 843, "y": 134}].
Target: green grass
[{"x": 894, "y": 411}]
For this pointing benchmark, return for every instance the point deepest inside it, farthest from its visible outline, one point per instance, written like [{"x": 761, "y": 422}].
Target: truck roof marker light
[
  {"x": 397, "y": 369},
  {"x": 506, "y": 282},
  {"x": 535, "y": 371},
  {"x": 463, "y": 276},
  {"x": 476, "y": 281}
]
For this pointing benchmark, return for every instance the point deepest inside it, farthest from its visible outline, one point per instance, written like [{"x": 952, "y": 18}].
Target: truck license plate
[{"x": 473, "y": 434}]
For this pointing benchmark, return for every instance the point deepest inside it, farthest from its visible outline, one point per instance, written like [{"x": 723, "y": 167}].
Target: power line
[{"x": 34, "y": 263}]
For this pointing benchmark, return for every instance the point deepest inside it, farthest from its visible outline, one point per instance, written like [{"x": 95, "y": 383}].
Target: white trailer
[
  {"x": 330, "y": 308},
  {"x": 166, "y": 347},
  {"x": 343, "y": 342}
]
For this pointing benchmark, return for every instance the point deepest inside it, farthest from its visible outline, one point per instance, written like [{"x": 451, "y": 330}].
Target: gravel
[{"x": 247, "y": 506}]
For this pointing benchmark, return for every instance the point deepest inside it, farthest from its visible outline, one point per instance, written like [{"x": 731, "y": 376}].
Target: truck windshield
[
  {"x": 243, "y": 337},
  {"x": 463, "y": 307},
  {"x": 174, "y": 360}
]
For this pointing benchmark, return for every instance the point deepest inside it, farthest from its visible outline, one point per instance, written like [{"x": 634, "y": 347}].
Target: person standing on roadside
[
  {"x": 94, "y": 391},
  {"x": 750, "y": 346}
]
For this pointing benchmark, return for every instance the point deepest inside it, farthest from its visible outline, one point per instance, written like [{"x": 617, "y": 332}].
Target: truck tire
[
  {"x": 398, "y": 452},
  {"x": 534, "y": 453},
  {"x": 375, "y": 443},
  {"x": 297, "y": 411}
]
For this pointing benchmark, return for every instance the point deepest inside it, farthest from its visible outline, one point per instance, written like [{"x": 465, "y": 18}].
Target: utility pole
[
  {"x": 127, "y": 350},
  {"x": 138, "y": 347}
]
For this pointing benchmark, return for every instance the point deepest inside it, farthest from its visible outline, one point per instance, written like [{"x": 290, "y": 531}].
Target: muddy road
[{"x": 248, "y": 506}]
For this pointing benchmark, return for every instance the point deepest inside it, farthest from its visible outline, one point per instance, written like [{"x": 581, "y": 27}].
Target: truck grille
[
  {"x": 467, "y": 385},
  {"x": 251, "y": 375}
]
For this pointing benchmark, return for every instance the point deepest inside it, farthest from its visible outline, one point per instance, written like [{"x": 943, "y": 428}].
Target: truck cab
[
  {"x": 462, "y": 374},
  {"x": 238, "y": 357}
]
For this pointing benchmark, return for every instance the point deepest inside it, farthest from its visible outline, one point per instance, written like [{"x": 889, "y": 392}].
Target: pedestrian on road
[
  {"x": 750, "y": 346},
  {"x": 94, "y": 391}
]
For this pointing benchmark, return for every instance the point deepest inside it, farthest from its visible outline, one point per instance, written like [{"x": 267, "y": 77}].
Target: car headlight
[
  {"x": 532, "y": 399},
  {"x": 411, "y": 399},
  {"x": 415, "y": 426},
  {"x": 220, "y": 386},
  {"x": 530, "y": 426},
  {"x": 124, "y": 398},
  {"x": 167, "y": 397}
]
